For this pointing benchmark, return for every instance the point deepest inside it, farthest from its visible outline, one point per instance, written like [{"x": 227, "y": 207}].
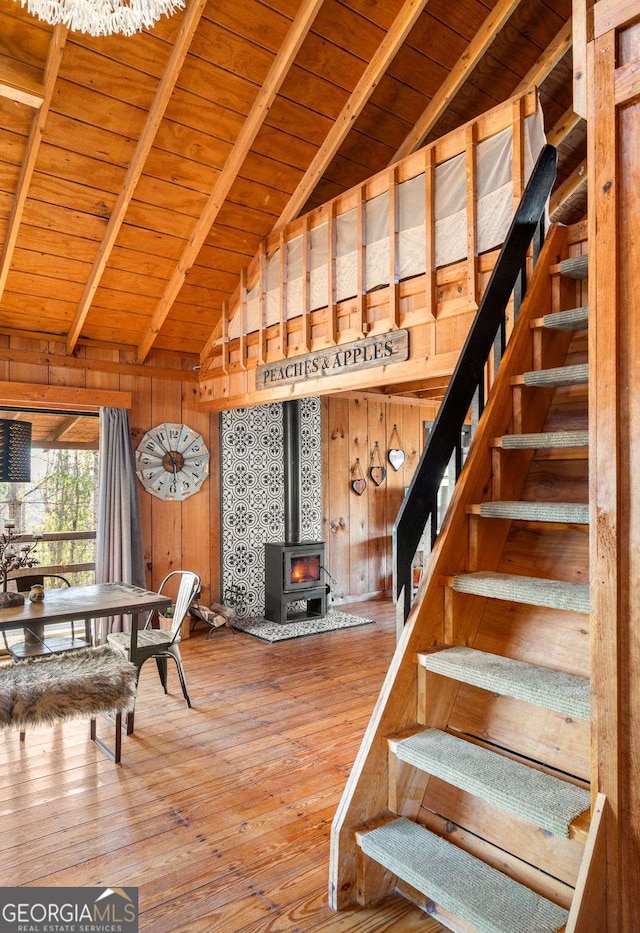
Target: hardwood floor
[{"x": 221, "y": 814}]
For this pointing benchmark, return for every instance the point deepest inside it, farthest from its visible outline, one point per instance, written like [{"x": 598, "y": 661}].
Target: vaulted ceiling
[{"x": 138, "y": 175}]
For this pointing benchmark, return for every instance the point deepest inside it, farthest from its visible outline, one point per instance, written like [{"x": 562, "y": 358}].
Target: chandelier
[{"x": 102, "y": 17}]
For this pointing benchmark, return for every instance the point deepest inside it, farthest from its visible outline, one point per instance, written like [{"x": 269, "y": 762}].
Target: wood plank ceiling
[{"x": 138, "y": 175}]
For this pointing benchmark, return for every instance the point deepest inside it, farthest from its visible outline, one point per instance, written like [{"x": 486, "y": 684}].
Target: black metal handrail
[{"x": 420, "y": 503}]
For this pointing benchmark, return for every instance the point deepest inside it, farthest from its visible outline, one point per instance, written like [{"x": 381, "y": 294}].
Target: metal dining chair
[{"x": 157, "y": 643}]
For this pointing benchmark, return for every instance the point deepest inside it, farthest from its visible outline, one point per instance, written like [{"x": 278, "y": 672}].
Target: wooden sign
[{"x": 346, "y": 358}]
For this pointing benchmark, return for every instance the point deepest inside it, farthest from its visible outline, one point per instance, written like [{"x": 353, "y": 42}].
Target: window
[{"x": 60, "y": 501}]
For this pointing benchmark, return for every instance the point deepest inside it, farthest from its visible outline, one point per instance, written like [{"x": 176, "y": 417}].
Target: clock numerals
[{"x": 172, "y": 461}]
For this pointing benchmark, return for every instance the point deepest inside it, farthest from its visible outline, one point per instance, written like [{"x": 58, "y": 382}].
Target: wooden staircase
[{"x": 470, "y": 794}]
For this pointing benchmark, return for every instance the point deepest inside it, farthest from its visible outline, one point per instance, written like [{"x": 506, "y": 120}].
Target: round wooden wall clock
[{"x": 172, "y": 461}]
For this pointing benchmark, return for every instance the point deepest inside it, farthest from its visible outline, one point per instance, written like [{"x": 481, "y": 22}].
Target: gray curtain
[{"x": 119, "y": 531}]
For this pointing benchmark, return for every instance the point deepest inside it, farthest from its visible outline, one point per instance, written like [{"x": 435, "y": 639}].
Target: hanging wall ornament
[
  {"x": 396, "y": 454},
  {"x": 358, "y": 483},
  {"x": 376, "y": 471}
]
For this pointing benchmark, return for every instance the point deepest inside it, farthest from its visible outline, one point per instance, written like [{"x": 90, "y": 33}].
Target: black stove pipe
[{"x": 292, "y": 481}]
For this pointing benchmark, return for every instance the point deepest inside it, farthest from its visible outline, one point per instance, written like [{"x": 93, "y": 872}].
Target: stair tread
[
  {"x": 541, "y": 686},
  {"x": 551, "y": 439},
  {"x": 576, "y": 267},
  {"x": 563, "y": 512},
  {"x": 534, "y": 591},
  {"x": 533, "y": 795},
  {"x": 573, "y": 319},
  {"x": 478, "y": 894},
  {"x": 577, "y": 374}
]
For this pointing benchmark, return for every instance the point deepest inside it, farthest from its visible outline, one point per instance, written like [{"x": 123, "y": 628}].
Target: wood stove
[
  {"x": 294, "y": 569},
  {"x": 294, "y": 572}
]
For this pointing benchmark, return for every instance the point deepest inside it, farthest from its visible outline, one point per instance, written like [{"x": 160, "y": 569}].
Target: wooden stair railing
[
  {"x": 470, "y": 793},
  {"x": 420, "y": 505}
]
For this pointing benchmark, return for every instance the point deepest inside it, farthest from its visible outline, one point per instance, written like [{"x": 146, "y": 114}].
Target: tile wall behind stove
[{"x": 253, "y": 494}]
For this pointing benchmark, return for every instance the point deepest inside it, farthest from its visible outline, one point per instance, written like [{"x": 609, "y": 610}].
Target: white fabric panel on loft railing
[
  {"x": 494, "y": 210},
  {"x": 318, "y": 257},
  {"x": 346, "y": 255},
  {"x": 294, "y": 290},
  {"x": 377, "y": 240},
  {"x": 411, "y": 221}
]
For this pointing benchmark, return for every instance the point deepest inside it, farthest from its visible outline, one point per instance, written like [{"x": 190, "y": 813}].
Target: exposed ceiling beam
[
  {"x": 457, "y": 76},
  {"x": 54, "y": 57},
  {"x": 21, "y": 83},
  {"x": 560, "y": 43},
  {"x": 250, "y": 129},
  {"x": 179, "y": 52},
  {"x": 568, "y": 188},
  {"x": 385, "y": 53},
  {"x": 65, "y": 425},
  {"x": 565, "y": 125}
]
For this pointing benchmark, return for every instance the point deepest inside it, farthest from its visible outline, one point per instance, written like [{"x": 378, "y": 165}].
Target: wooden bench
[{"x": 76, "y": 685}]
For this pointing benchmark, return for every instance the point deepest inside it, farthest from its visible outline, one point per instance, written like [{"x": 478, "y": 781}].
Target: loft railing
[
  {"x": 366, "y": 261},
  {"x": 419, "y": 510}
]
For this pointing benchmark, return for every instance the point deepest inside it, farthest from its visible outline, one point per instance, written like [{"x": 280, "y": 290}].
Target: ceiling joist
[
  {"x": 457, "y": 76},
  {"x": 246, "y": 137},
  {"x": 156, "y": 112},
  {"x": 54, "y": 58},
  {"x": 365, "y": 87}
]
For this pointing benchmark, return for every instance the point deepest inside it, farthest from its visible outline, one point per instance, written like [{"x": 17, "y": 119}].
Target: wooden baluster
[
  {"x": 284, "y": 269},
  {"x": 472, "y": 244},
  {"x": 262, "y": 302},
  {"x": 243, "y": 319},
  {"x": 224, "y": 327},
  {"x": 517, "y": 163},
  {"x": 363, "y": 325},
  {"x": 306, "y": 295},
  {"x": 430, "y": 293},
  {"x": 394, "y": 295},
  {"x": 332, "y": 311}
]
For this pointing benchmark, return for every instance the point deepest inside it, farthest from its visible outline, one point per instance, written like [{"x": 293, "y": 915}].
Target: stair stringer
[{"x": 365, "y": 795}]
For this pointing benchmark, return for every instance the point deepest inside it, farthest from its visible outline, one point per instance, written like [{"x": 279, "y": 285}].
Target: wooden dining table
[{"x": 77, "y": 603}]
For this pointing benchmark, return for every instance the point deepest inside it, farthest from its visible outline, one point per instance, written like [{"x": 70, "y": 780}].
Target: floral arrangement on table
[{"x": 13, "y": 558}]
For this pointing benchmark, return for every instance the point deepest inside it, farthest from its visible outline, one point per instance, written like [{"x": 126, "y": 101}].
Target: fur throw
[{"x": 76, "y": 685}]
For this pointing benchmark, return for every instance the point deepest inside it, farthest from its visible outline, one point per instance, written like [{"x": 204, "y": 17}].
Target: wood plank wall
[
  {"x": 176, "y": 534},
  {"x": 357, "y": 529},
  {"x": 614, "y": 338}
]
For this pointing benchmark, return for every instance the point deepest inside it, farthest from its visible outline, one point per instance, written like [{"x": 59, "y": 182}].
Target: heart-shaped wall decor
[
  {"x": 359, "y": 486},
  {"x": 396, "y": 458},
  {"x": 377, "y": 474}
]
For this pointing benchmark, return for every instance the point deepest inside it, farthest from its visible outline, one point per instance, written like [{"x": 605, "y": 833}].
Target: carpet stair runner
[
  {"x": 541, "y": 686},
  {"x": 477, "y": 894},
  {"x": 560, "y": 376},
  {"x": 577, "y": 267},
  {"x": 560, "y": 512},
  {"x": 575, "y": 319},
  {"x": 534, "y": 591},
  {"x": 533, "y": 795},
  {"x": 555, "y": 439},
  {"x": 467, "y": 893}
]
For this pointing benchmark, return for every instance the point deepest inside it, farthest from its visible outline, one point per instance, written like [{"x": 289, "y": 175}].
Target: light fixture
[
  {"x": 15, "y": 451},
  {"x": 102, "y": 17}
]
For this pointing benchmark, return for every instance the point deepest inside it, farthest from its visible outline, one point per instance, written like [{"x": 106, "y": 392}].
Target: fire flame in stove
[{"x": 305, "y": 569}]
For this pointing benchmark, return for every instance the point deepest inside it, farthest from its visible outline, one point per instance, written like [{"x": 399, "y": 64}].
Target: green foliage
[{"x": 63, "y": 499}]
